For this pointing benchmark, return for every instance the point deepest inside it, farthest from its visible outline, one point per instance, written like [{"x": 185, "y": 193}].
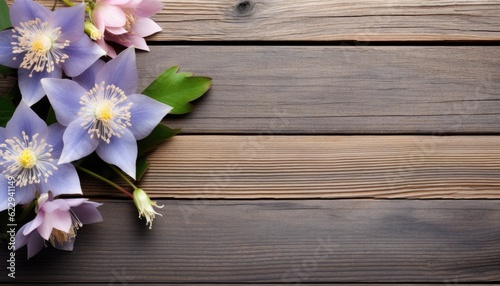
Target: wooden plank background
[
  {"x": 268, "y": 166},
  {"x": 327, "y": 151},
  {"x": 338, "y": 89},
  {"x": 339, "y": 20},
  {"x": 282, "y": 241}
]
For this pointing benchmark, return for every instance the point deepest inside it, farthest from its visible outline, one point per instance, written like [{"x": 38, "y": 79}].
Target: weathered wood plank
[
  {"x": 321, "y": 167},
  {"x": 340, "y": 20},
  {"x": 337, "y": 89},
  {"x": 317, "y": 20},
  {"x": 281, "y": 241}
]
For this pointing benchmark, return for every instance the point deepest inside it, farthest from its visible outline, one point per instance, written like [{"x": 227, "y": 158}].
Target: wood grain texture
[
  {"x": 339, "y": 20},
  {"x": 282, "y": 241},
  {"x": 317, "y": 20},
  {"x": 321, "y": 167},
  {"x": 337, "y": 90}
]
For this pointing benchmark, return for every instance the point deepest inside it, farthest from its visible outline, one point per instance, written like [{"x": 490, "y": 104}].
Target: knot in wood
[{"x": 244, "y": 7}]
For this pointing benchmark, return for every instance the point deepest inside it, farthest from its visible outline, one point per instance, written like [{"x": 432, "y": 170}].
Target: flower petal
[
  {"x": 21, "y": 238},
  {"x": 34, "y": 224},
  {"x": 121, "y": 151},
  {"x": 4, "y": 193},
  {"x": 6, "y": 55},
  {"x": 61, "y": 220},
  {"x": 148, "y": 8},
  {"x": 64, "y": 96},
  {"x": 56, "y": 132},
  {"x": 57, "y": 219},
  {"x": 65, "y": 180},
  {"x": 121, "y": 71},
  {"x": 70, "y": 21},
  {"x": 67, "y": 245},
  {"x": 87, "y": 213},
  {"x": 82, "y": 54},
  {"x": 87, "y": 78},
  {"x": 146, "y": 113},
  {"x": 25, "y": 120},
  {"x": 55, "y": 205},
  {"x": 144, "y": 27},
  {"x": 75, "y": 202},
  {"x": 35, "y": 244},
  {"x": 25, "y": 195},
  {"x": 77, "y": 142},
  {"x": 26, "y": 10},
  {"x": 30, "y": 86},
  {"x": 116, "y": 30},
  {"x": 129, "y": 40},
  {"x": 107, "y": 48},
  {"x": 108, "y": 15}
]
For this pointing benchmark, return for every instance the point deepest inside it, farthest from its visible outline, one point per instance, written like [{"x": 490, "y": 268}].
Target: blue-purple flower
[
  {"x": 29, "y": 152},
  {"x": 43, "y": 43},
  {"x": 57, "y": 221},
  {"x": 104, "y": 113}
]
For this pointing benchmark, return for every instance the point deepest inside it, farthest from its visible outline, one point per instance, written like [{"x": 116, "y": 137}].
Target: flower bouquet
[{"x": 76, "y": 109}]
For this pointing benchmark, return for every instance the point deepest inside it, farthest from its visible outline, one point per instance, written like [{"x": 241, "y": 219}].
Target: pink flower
[
  {"x": 125, "y": 22},
  {"x": 57, "y": 221}
]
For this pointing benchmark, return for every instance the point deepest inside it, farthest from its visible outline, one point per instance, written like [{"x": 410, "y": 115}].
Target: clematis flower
[
  {"x": 125, "y": 22},
  {"x": 145, "y": 206},
  {"x": 57, "y": 221},
  {"x": 43, "y": 43},
  {"x": 103, "y": 112},
  {"x": 29, "y": 151}
]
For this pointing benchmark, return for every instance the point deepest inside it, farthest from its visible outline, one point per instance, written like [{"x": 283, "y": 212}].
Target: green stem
[
  {"x": 69, "y": 3},
  {"x": 104, "y": 180},
  {"x": 123, "y": 176}
]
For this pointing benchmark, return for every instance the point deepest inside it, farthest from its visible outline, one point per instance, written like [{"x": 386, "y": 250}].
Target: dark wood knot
[{"x": 244, "y": 7}]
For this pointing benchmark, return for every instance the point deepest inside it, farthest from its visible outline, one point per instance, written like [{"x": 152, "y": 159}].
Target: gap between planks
[{"x": 207, "y": 166}]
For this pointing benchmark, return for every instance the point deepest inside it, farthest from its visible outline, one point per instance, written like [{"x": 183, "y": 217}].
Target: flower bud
[
  {"x": 145, "y": 206},
  {"x": 91, "y": 30}
]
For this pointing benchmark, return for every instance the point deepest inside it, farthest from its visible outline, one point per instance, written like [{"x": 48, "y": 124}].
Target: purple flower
[
  {"x": 29, "y": 151},
  {"x": 45, "y": 43},
  {"x": 57, "y": 221},
  {"x": 102, "y": 112}
]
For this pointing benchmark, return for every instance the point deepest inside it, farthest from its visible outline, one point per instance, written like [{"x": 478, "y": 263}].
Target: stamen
[
  {"x": 105, "y": 112},
  {"x": 29, "y": 160},
  {"x": 39, "y": 44},
  {"x": 130, "y": 21},
  {"x": 58, "y": 237}
]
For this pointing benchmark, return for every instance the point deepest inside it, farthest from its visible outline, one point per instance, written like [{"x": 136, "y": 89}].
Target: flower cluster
[{"x": 95, "y": 106}]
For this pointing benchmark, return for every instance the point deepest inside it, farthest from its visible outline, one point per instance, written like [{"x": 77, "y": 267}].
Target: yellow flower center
[
  {"x": 27, "y": 159},
  {"x": 41, "y": 44},
  {"x": 104, "y": 111}
]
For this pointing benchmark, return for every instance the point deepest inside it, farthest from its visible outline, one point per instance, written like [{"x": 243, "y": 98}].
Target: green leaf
[
  {"x": 51, "y": 116},
  {"x": 6, "y": 71},
  {"x": 178, "y": 89},
  {"x": 4, "y": 15},
  {"x": 6, "y": 111},
  {"x": 142, "y": 166},
  {"x": 158, "y": 135}
]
